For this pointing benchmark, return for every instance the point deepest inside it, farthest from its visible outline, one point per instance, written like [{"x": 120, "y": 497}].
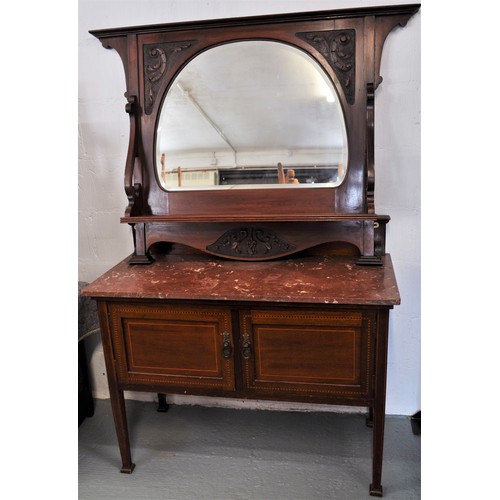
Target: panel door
[
  {"x": 302, "y": 352},
  {"x": 175, "y": 346}
]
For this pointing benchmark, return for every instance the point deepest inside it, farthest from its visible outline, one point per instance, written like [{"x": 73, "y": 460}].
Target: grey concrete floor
[{"x": 194, "y": 452}]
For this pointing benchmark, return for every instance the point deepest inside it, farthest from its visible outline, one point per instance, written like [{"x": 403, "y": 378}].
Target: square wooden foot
[
  {"x": 127, "y": 469},
  {"x": 376, "y": 491}
]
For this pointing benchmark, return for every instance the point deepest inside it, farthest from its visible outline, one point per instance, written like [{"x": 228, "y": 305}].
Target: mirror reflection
[{"x": 251, "y": 114}]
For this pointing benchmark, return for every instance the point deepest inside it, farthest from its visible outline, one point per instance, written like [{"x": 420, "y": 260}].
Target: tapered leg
[
  {"x": 120, "y": 417},
  {"x": 162, "y": 403},
  {"x": 116, "y": 395},
  {"x": 376, "y": 489},
  {"x": 379, "y": 403},
  {"x": 369, "y": 418}
]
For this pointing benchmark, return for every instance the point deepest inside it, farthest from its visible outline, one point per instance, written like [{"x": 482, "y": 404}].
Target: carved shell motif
[
  {"x": 158, "y": 58},
  {"x": 338, "y": 48}
]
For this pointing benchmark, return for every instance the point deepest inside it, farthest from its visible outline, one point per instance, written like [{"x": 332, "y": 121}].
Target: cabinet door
[
  {"x": 173, "y": 346},
  {"x": 302, "y": 352}
]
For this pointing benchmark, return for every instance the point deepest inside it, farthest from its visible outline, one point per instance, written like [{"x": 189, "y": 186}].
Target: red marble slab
[{"x": 314, "y": 279}]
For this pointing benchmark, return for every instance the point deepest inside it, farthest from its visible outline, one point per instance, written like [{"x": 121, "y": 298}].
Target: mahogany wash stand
[{"x": 261, "y": 292}]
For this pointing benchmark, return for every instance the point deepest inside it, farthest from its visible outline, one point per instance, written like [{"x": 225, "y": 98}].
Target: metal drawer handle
[
  {"x": 246, "y": 347},
  {"x": 227, "y": 349}
]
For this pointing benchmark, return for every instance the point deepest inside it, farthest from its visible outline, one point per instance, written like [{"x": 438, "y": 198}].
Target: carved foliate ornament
[
  {"x": 158, "y": 57},
  {"x": 250, "y": 243},
  {"x": 338, "y": 47}
]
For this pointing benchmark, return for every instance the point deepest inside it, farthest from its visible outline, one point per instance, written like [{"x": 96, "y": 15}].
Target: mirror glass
[{"x": 251, "y": 114}]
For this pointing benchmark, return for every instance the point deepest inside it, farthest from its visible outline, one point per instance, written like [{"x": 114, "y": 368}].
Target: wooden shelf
[{"x": 255, "y": 218}]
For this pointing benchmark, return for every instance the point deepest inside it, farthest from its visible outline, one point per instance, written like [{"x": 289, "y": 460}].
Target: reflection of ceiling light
[{"x": 329, "y": 95}]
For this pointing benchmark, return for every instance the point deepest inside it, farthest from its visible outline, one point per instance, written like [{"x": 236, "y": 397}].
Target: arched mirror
[{"x": 251, "y": 114}]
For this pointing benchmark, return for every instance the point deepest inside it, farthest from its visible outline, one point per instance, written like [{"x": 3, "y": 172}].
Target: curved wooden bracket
[
  {"x": 133, "y": 191},
  {"x": 370, "y": 148},
  {"x": 131, "y": 109},
  {"x": 383, "y": 26},
  {"x": 134, "y": 196}
]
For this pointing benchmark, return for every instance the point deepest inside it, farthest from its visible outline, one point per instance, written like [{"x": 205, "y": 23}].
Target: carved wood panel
[
  {"x": 250, "y": 242},
  {"x": 338, "y": 47},
  {"x": 158, "y": 57}
]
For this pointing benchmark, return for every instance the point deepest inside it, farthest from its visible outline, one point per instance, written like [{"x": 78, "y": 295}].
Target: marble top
[{"x": 312, "y": 279}]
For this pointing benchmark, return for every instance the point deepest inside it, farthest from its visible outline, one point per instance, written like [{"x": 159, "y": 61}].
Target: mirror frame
[
  {"x": 335, "y": 109},
  {"x": 257, "y": 224}
]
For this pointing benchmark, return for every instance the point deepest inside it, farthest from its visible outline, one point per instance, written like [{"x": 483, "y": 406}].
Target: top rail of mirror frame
[{"x": 320, "y": 15}]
